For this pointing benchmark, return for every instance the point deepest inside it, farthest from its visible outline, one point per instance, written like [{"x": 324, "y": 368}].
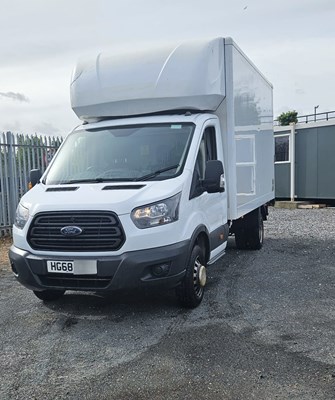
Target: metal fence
[
  {"x": 323, "y": 116},
  {"x": 18, "y": 155}
]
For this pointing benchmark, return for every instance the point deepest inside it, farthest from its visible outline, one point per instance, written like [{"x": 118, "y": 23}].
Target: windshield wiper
[
  {"x": 95, "y": 180},
  {"x": 155, "y": 173},
  {"x": 86, "y": 180}
]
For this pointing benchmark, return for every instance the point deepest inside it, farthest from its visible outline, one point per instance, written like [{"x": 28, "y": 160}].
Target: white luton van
[{"x": 175, "y": 153}]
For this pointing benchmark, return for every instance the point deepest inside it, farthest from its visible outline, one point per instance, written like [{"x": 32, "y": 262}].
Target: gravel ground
[
  {"x": 265, "y": 330},
  {"x": 310, "y": 224},
  {"x": 5, "y": 243}
]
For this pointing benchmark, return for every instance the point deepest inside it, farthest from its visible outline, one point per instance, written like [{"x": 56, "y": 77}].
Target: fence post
[
  {"x": 11, "y": 178},
  {"x": 292, "y": 159}
]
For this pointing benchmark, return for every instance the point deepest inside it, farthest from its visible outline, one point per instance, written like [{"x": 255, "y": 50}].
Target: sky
[{"x": 292, "y": 42}]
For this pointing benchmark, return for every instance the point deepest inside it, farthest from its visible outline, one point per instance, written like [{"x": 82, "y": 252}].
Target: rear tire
[
  {"x": 191, "y": 290},
  {"x": 255, "y": 231},
  {"x": 240, "y": 239},
  {"x": 49, "y": 295},
  {"x": 249, "y": 232}
]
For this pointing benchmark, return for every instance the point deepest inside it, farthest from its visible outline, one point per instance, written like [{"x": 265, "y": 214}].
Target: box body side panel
[{"x": 249, "y": 134}]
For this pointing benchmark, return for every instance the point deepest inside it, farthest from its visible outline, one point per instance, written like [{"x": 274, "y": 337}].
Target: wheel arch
[{"x": 201, "y": 237}]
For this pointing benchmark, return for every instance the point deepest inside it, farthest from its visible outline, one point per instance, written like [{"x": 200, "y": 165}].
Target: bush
[{"x": 286, "y": 118}]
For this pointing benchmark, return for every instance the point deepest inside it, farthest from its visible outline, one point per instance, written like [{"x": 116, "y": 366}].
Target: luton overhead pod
[{"x": 186, "y": 77}]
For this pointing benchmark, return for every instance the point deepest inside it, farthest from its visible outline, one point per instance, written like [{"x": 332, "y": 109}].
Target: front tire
[
  {"x": 49, "y": 295},
  {"x": 191, "y": 290}
]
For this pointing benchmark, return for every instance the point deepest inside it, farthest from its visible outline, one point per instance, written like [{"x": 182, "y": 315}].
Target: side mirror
[
  {"x": 35, "y": 176},
  {"x": 214, "y": 177}
]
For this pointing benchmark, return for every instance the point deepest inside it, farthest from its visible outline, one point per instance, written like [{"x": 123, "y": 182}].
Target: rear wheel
[
  {"x": 191, "y": 291},
  {"x": 255, "y": 231},
  {"x": 49, "y": 295},
  {"x": 249, "y": 233},
  {"x": 240, "y": 239}
]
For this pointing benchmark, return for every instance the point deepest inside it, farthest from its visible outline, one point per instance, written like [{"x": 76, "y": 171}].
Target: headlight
[
  {"x": 21, "y": 217},
  {"x": 155, "y": 214}
]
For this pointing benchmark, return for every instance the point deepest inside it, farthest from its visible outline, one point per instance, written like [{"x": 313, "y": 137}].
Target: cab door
[{"x": 212, "y": 206}]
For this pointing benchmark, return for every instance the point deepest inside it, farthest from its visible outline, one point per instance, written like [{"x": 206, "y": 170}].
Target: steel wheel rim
[
  {"x": 198, "y": 289},
  {"x": 261, "y": 232}
]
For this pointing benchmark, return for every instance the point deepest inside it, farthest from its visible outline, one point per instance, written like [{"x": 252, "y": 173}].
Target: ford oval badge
[{"x": 71, "y": 231}]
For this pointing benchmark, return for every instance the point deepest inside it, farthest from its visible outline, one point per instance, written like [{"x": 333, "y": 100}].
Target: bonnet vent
[
  {"x": 123, "y": 187},
  {"x": 62, "y": 189}
]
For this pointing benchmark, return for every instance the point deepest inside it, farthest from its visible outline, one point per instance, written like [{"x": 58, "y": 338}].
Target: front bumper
[{"x": 129, "y": 270}]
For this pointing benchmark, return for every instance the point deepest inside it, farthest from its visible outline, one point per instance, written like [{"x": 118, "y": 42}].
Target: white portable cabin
[{"x": 204, "y": 76}]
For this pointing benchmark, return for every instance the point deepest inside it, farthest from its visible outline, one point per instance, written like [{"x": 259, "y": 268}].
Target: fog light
[{"x": 160, "y": 270}]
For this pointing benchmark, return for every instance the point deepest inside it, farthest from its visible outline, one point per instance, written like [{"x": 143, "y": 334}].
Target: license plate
[{"x": 74, "y": 267}]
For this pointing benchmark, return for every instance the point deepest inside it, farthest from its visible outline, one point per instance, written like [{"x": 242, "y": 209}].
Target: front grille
[
  {"x": 75, "y": 283},
  {"x": 100, "y": 231}
]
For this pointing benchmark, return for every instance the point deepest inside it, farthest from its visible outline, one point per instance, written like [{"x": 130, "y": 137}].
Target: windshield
[{"x": 132, "y": 153}]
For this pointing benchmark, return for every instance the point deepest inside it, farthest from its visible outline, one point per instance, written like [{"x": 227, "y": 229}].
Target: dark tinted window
[
  {"x": 282, "y": 148},
  {"x": 207, "y": 151}
]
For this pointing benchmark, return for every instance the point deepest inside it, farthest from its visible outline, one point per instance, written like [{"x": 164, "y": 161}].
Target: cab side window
[{"x": 207, "y": 151}]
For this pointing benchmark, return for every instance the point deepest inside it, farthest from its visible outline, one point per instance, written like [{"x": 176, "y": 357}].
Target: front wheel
[
  {"x": 191, "y": 290},
  {"x": 49, "y": 295}
]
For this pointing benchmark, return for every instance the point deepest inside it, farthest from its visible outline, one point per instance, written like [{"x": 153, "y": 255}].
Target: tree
[{"x": 286, "y": 118}]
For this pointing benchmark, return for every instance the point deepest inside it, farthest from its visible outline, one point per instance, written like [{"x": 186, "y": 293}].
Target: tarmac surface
[{"x": 265, "y": 329}]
